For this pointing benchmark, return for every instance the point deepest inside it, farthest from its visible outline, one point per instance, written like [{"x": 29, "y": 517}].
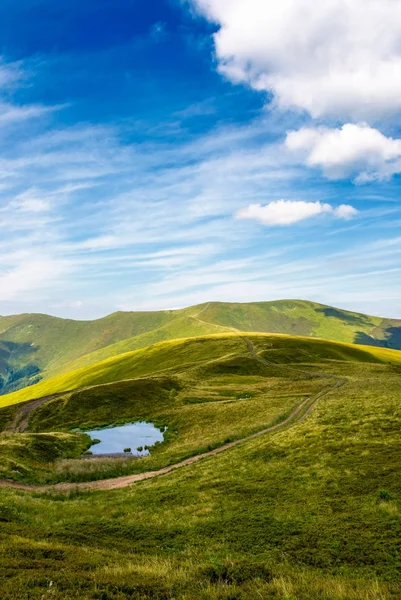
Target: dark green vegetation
[
  {"x": 311, "y": 513},
  {"x": 24, "y": 454},
  {"x": 34, "y": 347},
  {"x": 17, "y": 366}
]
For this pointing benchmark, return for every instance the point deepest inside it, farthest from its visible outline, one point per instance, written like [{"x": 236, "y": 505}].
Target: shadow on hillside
[
  {"x": 16, "y": 367},
  {"x": 393, "y": 340},
  {"x": 395, "y": 337},
  {"x": 343, "y": 316}
]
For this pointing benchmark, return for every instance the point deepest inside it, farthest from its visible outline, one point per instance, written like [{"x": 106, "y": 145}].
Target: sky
[{"x": 156, "y": 155}]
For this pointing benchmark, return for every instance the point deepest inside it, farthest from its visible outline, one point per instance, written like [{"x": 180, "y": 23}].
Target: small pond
[{"x": 113, "y": 440}]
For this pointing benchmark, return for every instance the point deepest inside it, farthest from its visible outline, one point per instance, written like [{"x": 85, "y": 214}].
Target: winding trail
[
  {"x": 23, "y": 412},
  {"x": 297, "y": 416}
]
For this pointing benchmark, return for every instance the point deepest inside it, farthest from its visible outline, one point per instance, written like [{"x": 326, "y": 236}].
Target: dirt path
[
  {"x": 297, "y": 416},
  {"x": 21, "y": 418}
]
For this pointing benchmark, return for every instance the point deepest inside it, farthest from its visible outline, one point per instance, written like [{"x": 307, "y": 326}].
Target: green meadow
[
  {"x": 206, "y": 391},
  {"x": 309, "y": 512},
  {"x": 35, "y": 347}
]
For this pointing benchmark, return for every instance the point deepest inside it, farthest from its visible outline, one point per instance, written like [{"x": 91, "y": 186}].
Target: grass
[
  {"x": 310, "y": 513},
  {"x": 40, "y": 346},
  {"x": 180, "y": 355},
  {"x": 206, "y": 391},
  {"x": 157, "y": 358},
  {"x": 28, "y": 457}
]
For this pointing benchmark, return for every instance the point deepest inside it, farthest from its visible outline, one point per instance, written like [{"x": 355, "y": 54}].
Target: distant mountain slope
[
  {"x": 299, "y": 317},
  {"x": 34, "y": 346}
]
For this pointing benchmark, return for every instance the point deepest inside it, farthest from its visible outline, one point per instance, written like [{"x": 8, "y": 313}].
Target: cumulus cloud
[
  {"x": 352, "y": 150},
  {"x": 338, "y": 58},
  {"x": 287, "y": 212}
]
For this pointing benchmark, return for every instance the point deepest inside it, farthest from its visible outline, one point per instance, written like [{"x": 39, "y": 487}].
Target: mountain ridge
[
  {"x": 35, "y": 346},
  {"x": 192, "y": 307}
]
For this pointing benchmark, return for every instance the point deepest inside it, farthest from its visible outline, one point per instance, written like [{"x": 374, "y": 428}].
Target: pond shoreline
[
  {"x": 111, "y": 455},
  {"x": 129, "y": 440}
]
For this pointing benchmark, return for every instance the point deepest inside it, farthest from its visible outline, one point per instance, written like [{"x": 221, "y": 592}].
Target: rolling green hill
[
  {"x": 207, "y": 389},
  {"x": 309, "y": 511},
  {"x": 34, "y": 347},
  {"x": 182, "y": 355}
]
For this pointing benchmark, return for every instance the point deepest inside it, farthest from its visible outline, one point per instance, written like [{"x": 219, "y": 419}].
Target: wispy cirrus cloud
[
  {"x": 10, "y": 113},
  {"x": 155, "y": 228},
  {"x": 91, "y": 218},
  {"x": 10, "y": 73},
  {"x": 12, "y": 76},
  {"x": 346, "y": 275},
  {"x": 25, "y": 273}
]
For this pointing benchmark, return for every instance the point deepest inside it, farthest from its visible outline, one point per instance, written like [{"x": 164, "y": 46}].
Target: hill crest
[{"x": 39, "y": 346}]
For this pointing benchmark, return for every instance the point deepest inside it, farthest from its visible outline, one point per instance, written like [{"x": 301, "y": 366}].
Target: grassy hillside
[
  {"x": 55, "y": 345},
  {"x": 297, "y": 317},
  {"x": 205, "y": 390},
  {"x": 53, "y": 341},
  {"x": 181, "y": 355},
  {"x": 310, "y": 513},
  {"x": 36, "y": 347}
]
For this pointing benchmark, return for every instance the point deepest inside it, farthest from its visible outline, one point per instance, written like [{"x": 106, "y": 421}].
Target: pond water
[{"x": 134, "y": 435}]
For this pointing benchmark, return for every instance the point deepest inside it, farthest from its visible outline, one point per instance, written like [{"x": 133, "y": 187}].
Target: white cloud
[
  {"x": 352, "y": 150},
  {"x": 10, "y": 113},
  {"x": 287, "y": 212},
  {"x": 29, "y": 202},
  {"x": 345, "y": 211},
  {"x": 29, "y": 275},
  {"x": 338, "y": 58},
  {"x": 9, "y": 73},
  {"x": 34, "y": 205},
  {"x": 322, "y": 276}
]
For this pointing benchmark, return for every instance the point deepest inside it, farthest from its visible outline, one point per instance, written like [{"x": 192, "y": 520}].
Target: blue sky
[{"x": 158, "y": 155}]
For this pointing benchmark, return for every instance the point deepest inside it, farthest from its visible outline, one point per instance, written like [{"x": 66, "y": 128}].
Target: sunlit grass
[
  {"x": 182, "y": 354},
  {"x": 310, "y": 513}
]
